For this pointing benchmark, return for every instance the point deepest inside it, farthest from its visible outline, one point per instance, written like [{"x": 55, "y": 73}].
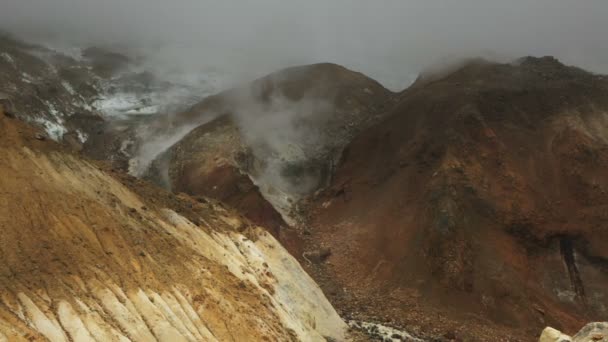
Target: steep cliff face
[
  {"x": 481, "y": 198},
  {"x": 91, "y": 254}
]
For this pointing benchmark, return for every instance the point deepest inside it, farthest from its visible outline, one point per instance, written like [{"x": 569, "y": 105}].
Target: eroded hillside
[
  {"x": 469, "y": 206},
  {"x": 481, "y": 199},
  {"x": 91, "y": 254}
]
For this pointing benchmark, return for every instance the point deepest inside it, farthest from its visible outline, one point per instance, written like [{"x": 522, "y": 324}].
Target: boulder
[
  {"x": 553, "y": 335},
  {"x": 593, "y": 332}
]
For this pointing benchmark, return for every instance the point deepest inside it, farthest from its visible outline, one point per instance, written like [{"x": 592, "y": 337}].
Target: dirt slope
[
  {"x": 87, "y": 254},
  {"x": 478, "y": 207}
]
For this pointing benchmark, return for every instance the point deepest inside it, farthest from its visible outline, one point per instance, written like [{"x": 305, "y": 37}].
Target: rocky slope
[
  {"x": 91, "y": 98},
  {"x": 273, "y": 141},
  {"x": 88, "y": 254},
  {"x": 470, "y": 206},
  {"x": 49, "y": 89},
  {"x": 478, "y": 196},
  {"x": 478, "y": 206}
]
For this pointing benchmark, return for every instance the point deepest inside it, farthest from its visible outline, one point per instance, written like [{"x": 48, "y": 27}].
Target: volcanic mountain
[
  {"x": 470, "y": 206},
  {"x": 479, "y": 204},
  {"x": 475, "y": 196},
  {"x": 273, "y": 141}
]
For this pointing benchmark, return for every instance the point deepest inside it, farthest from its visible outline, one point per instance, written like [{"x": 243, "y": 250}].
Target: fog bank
[{"x": 390, "y": 40}]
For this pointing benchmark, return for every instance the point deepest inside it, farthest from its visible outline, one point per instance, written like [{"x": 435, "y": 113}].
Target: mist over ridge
[{"x": 390, "y": 40}]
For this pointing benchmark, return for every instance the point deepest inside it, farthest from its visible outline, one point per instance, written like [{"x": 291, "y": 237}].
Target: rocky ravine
[{"x": 90, "y": 254}]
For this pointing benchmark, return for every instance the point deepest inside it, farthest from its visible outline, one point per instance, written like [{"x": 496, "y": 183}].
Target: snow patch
[
  {"x": 68, "y": 87},
  {"x": 85, "y": 105},
  {"x": 55, "y": 130},
  {"x": 120, "y": 104},
  {"x": 117, "y": 104},
  {"x": 124, "y": 96},
  {"x": 82, "y": 137},
  {"x": 27, "y": 78},
  {"x": 8, "y": 58},
  {"x": 383, "y": 332},
  {"x": 53, "y": 110}
]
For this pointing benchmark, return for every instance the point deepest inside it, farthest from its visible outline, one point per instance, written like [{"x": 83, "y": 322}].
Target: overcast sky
[{"x": 390, "y": 40}]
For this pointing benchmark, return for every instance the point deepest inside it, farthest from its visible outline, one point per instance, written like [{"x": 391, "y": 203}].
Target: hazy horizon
[{"x": 390, "y": 40}]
